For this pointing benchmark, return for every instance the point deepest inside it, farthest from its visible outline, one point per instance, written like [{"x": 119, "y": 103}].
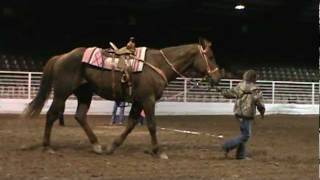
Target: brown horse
[{"x": 67, "y": 75}]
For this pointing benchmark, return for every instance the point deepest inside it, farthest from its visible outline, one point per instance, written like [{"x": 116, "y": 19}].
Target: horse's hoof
[
  {"x": 49, "y": 150},
  {"x": 109, "y": 150},
  {"x": 24, "y": 147},
  {"x": 97, "y": 148},
  {"x": 163, "y": 156}
]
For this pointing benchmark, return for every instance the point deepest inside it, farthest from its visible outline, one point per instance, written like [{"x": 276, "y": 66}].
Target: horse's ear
[
  {"x": 202, "y": 42},
  {"x": 209, "y": 44}
]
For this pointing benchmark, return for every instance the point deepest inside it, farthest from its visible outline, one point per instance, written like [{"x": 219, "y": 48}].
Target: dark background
[{"x": 275, "y": 32}]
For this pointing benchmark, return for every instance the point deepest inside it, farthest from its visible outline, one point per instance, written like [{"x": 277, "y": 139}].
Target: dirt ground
[{"x": 282, "y": 147}]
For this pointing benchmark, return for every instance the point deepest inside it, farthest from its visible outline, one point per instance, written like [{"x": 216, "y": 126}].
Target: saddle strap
[{"x": 159, "y": 71}]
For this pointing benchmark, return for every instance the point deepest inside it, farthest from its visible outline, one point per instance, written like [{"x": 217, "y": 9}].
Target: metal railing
[
  {"x": 24, "y": 85},
  {"x": 282, "y": 92}
]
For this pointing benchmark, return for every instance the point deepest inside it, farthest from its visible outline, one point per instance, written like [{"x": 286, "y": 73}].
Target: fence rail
[{"x": 24, "y": 85}]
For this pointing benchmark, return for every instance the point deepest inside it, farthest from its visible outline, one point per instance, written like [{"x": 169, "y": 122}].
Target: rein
[
  {"x": 171, "y": 65},
  {"x": 204, "y": 56},
  {"x": 161, "y": 73}
]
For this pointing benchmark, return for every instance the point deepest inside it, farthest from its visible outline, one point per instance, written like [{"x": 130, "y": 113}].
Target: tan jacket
[{"x": 248, "y": 97}]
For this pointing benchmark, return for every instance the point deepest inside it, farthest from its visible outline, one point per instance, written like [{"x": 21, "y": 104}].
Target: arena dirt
[{"x": 282, "y": 147}]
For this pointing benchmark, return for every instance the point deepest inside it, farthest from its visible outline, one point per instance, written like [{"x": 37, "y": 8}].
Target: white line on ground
[{"x": 191, "y": 132}]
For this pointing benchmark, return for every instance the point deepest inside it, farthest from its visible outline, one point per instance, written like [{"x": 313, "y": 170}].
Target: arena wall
[
  {"x": 183, "y": 96},
  {"x": 101, "y": 107}
]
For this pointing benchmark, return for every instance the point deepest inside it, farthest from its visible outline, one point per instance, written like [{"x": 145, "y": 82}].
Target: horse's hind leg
[
  {"x": 84, "y": 96},
  {"x": 56, "y": 108},
  {"x": 132, "y": 121}
]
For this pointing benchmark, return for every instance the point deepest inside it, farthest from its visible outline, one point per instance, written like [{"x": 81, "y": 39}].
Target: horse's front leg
[
  {"x": 132, "y": 121},
  {"x": 149, "y": 109},
  {"x": 84, "y": 100}
]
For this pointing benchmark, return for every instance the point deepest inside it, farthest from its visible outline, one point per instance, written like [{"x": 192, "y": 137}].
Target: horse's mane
[{"x": 170, "y": 47}]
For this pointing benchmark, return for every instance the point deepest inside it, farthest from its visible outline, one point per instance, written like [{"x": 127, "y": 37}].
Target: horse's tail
[{"x": 34, "y": 108}]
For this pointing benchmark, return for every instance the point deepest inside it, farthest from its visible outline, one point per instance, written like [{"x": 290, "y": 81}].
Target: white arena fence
[{"x": 181, "y": 93}]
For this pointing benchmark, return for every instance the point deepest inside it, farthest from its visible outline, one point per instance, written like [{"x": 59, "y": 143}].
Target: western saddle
[{"x": 124, "y": 54}]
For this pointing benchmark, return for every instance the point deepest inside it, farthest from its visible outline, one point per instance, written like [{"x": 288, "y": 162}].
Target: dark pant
[
  {"x": 140, "y": 120},
  {"x": 240, "y": 141},
  {"x": 118, "y": 118}
]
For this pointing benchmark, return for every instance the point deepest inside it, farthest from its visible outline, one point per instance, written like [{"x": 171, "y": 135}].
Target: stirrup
[{"x": 124, "y": 78}]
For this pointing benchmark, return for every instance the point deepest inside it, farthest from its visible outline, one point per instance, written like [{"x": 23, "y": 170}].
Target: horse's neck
[{"x": 180, "y": 57}]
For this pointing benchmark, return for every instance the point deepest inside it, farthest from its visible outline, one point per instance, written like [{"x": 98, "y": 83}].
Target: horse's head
[{"x": 205, "y": 63}]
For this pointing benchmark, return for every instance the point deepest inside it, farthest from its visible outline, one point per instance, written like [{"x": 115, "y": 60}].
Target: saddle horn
[{"x": 113, "y": 46}]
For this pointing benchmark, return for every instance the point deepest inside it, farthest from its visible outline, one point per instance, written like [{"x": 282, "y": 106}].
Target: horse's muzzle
[{"x": 213, "y": 82}]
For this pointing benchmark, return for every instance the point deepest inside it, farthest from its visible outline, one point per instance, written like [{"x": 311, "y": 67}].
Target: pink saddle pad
[{"x": 95, "y": 57}]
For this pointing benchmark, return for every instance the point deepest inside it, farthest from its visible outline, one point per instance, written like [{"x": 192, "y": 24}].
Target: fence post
[
  {"x": 273, "y": 90},
  {"x": 312, "y": 96},
  {"x": 29, "y": 85},
  {"x": 185, "y": 90},
  {"x": 230, "y": 87}
]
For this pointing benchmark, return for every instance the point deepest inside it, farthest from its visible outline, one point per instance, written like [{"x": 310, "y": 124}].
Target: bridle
[
  {"x": 203, "y": 53},
  {"x": 160, "y": 72}
]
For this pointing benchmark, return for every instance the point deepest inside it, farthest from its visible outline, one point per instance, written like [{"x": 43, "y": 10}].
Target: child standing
[
  {"x": 118, "y": 119},
  {"x": 248, "y": 97}
]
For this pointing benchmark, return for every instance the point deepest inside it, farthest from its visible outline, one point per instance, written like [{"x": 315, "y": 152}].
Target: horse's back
[{"x": 68, "y": 69}]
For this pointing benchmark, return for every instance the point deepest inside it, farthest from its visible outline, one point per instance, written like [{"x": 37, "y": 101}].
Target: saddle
[
  {"x": 124, "y": 55},
  {"x": 127, "y": 60}
]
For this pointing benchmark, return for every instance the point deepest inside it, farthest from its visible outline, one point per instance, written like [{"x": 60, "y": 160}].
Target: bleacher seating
[
  {"x": 21, "y": 63},
  {"x": 288, "y": 74}
]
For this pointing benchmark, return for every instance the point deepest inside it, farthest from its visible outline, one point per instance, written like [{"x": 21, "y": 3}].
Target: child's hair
[{"x": 250, "y": 76}]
